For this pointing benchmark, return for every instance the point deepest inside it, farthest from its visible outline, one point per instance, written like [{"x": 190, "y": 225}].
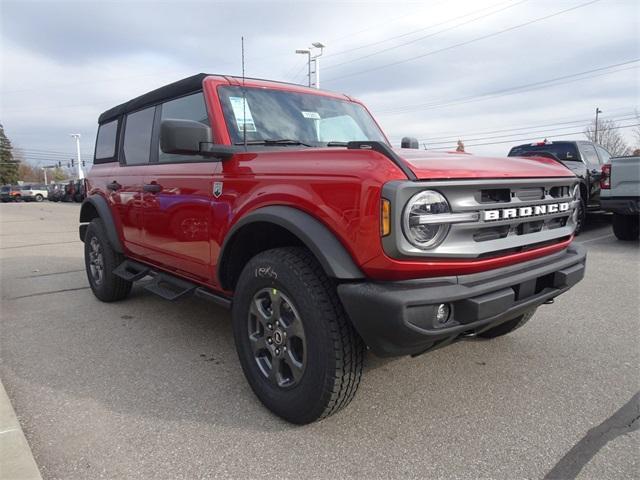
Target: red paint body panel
[
  {"x": 182, "y": 228},
  {"x": 439, "y": 166}
]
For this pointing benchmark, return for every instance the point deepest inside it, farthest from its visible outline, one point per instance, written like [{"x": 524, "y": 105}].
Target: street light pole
[
  {"x": 80, "y": 172},
  {"x": 596, "y": 129},
  {"x": 307, "y": 52},
  {"x": 316, "y": 62}
]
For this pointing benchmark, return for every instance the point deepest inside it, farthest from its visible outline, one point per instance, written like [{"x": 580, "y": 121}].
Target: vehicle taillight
[{"x": 605, "y": 177}]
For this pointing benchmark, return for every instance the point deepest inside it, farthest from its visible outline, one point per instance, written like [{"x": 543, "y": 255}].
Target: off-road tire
[
  {"x": 111, "y": 288},
  {"x": 507, "y": 327},
  {"x": 582, "y": 216},
  {"x": 334, "y": 351},
  {"x": 626, "y": 227}
]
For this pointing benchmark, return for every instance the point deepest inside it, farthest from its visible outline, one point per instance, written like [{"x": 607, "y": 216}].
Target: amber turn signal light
[{"x": 385, "y": 217}]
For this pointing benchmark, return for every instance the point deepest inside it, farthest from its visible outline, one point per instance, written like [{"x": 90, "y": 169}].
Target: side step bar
[{"x": 166, "y": 285}]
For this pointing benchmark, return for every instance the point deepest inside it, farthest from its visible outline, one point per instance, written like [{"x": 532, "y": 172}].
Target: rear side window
[
  {"x": 589, "y": 155},
  {"x": 106, "y": 141},
  {"x": 603, "y": 154},
  {"x": 562, "y": 150},
  {"x": 191, "y": 107},
  {"x": 137, "y": 136}
]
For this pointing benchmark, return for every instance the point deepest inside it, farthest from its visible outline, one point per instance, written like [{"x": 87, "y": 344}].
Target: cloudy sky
[{"x": 492, "y": 72}]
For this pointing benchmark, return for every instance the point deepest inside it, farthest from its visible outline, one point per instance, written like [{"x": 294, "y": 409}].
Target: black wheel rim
[
  {"x": 96, "y": 261},
  {"x": 276, "y": 337}
]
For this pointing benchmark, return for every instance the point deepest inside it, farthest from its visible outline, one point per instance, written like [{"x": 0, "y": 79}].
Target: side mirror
[
  {"x": 409, "y": 142},
  {"x": 183, "y": 136}
]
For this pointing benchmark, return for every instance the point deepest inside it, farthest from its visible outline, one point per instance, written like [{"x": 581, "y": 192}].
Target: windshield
[
  {"x": 279, "y": 118},
  {"x": 562, "y": 150}
]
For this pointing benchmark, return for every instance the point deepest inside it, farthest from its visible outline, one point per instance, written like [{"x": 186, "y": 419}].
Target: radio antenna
[{"x": 244, "y": 101}]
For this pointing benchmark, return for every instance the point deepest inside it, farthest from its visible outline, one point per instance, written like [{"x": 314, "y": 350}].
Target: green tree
[
  {"x": 8, "y": 164},
  {"x": 58, "y": 175}
]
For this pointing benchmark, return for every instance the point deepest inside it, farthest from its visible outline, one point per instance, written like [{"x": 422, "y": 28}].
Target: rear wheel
[
  {"x": 39, "y": 198},
  {"x": 507, "y": 327},
  {"x": 298, "y": 350},
  {"x": 626, "y": 227},
  {"x": 100, "y": 259}
]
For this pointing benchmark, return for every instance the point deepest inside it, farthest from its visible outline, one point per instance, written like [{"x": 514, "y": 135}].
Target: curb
[{"x": 17, "y": 459}]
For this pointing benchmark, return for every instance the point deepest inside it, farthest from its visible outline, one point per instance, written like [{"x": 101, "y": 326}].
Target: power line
[
  {"x": 460, "y": 44},
  {"x": 561, "y": 121},
  {"x": 528, "y": 132},
  {"x": 388, "y": 39},
  {"x": 335, "y": 65},
  {"x": 525, "y": 139},
  {"x": 552, "y": 82},
  {"x": 517, "y": 130}
]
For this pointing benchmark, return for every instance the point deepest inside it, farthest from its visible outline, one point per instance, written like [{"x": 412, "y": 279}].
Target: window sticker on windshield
[
  {"x": 314, "y": 115},
  {"x": 242, "y": 113}
]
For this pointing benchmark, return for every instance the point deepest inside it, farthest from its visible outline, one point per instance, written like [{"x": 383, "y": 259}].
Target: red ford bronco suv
[{"x": 288, "y": 205}]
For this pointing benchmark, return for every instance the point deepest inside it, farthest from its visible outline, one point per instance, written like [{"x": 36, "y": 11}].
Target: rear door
[
  {"x": 126, "y": 185},
  {"x": 177, "y": 195}
]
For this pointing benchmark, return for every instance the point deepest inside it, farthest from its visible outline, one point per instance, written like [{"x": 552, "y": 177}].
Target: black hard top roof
[
  {"x": 175, "y": 89},
  {"x": 172, "y": 90}
]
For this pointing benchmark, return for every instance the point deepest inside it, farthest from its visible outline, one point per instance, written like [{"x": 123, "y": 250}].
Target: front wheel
[
  {"x": 626, "y": 227},
  {"x": 298, "y": 350},
  {"x": 39, "y": 198}
]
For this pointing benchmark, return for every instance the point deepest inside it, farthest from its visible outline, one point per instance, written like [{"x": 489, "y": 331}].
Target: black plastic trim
[
  {"x": 104, "y": 212},
  {"x": 385, "y": 150},
  {"x": 332, "y": 255},
  {"x": 396, "y": 318}
]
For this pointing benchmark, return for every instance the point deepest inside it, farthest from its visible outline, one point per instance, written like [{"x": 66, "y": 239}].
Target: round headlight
[{"x": 419, "y": 226}]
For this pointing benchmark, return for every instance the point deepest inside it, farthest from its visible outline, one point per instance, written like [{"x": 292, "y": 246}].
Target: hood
[{"x": 438, "y": 165}]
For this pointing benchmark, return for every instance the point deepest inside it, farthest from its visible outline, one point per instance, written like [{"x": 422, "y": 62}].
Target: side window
[
  {"x": 191, "y": 107},
  {"x": 137, "y": 136},
  {"x": 589, "y": 155},
  {"x": 603, "y": 154},
  {"x": 106, "y": 141}
]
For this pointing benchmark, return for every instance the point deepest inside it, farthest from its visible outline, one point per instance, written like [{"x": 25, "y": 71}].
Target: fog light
[{"x": 442, "y": 315}]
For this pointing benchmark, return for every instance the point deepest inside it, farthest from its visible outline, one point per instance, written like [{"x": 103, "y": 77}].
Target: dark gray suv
[{"x": 583, "y": 158}]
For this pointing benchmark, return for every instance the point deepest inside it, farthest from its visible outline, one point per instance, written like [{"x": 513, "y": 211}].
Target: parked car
[
  {"x": 56, "y": 192},
  {"x": 11, "y": 193},
  {"x": 288, "y": 205},
  {"x": 583, "y": 158},
  {"x": 34, "y": 193},
  {"x": 620, "y": 194}
]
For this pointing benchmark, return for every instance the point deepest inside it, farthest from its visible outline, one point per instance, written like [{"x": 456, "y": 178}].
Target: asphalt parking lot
[{"x": 150, "y": 389}]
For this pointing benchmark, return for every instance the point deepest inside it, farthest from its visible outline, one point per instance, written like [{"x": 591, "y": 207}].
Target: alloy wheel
[{"x": 276, "y": 337}]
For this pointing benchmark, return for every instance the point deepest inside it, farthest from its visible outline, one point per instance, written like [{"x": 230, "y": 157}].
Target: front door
[{"x": 177, "y": 196}]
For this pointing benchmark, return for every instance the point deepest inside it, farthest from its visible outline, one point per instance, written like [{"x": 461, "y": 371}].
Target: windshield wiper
[
  {"x": 337, "y": 144},
  {"x": 280, "y": 141}
]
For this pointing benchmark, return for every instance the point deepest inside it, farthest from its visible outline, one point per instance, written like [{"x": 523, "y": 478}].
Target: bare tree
[{"x": 608, "y": 136}]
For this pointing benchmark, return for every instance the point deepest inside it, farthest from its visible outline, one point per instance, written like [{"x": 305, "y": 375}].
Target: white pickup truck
[{"x": 620, "y": 194}]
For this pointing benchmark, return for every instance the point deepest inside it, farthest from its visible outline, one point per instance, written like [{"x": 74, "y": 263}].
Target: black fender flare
[
  {"x": 101, "y": 207},
  {"x": 332, "y": 255}
]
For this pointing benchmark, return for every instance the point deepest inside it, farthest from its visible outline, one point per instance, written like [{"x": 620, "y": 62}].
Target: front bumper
[
  {"x": 398, "y": 318},
  {"x": 621, "y": 205}
]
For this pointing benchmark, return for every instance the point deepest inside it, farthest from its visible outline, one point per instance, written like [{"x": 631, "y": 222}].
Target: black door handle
[
  {"x": 152, "y": 187},
  {"x": 114, "y": 186}
]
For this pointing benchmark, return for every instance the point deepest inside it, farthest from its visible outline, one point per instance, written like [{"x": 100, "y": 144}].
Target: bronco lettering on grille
[{"x": 506, "y": 213}]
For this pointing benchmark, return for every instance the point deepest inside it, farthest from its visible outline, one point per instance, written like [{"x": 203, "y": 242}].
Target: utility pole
[
  {"x": 316, "y": 62},
  {"x": 44, "y": 169},
  {"x": 596, "y": 129},
  {"x": 80, "y": 172}
]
